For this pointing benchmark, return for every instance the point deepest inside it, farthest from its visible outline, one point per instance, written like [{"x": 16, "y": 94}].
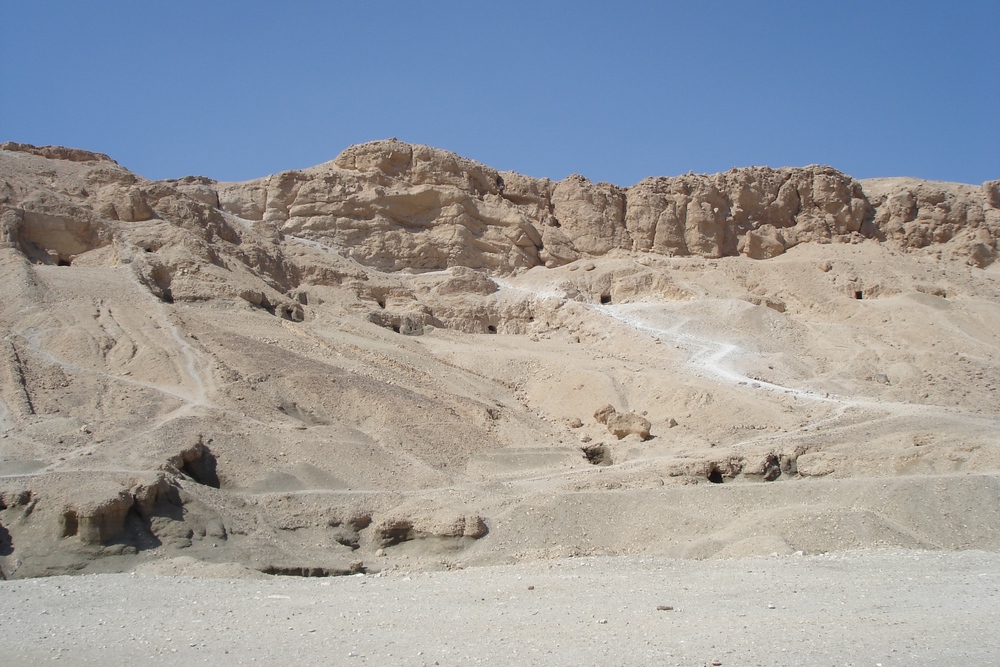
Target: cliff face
[{"x": 394, "y": 206}]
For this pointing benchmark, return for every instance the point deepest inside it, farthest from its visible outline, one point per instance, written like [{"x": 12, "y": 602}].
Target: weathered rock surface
[
  {"x": 429, "y": 209},
  {"x": 393, "y": 206},
  {"x": 403, "y": 526},
  {"x": 622, "y": 425}
]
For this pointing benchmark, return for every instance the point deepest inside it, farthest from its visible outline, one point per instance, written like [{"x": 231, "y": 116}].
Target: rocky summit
[{"x": 406, "y": 359}]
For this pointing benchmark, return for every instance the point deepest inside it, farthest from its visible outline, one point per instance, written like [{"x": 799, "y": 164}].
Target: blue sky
[{"x": 614, "y": 91}]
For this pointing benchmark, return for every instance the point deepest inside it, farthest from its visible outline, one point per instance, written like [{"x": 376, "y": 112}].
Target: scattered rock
[{"x": 598, "y": 454}]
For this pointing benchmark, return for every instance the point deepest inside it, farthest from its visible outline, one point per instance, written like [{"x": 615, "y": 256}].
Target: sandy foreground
[{"x": 878, "y": 607}]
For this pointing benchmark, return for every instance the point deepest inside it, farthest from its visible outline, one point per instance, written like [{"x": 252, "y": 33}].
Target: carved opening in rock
[
  {"x": 395, "y": 327},
  {"x": 63, "y": 262},
  {"x": 348, "y": 533},
  {"x": 858, "y": 294},
  {"x": 352, "y": 540},
  {"x": 605, "y": 299},
  {"x": 291, "y": 313},
  {"x": 6, "y": 543},
  {"x": 381, "y": 302},
  {"x": 491, "y": 329},
  {"x": 202, "y": 466},
  {"x": 597, "y": 455},
  {"x": 162, "y": 277},
  {"x": 139, "y": 532},
  {"x": 70, "y": 524},
  {"x": 715, "y": 477},
  {"x": 50, "y": 238}
]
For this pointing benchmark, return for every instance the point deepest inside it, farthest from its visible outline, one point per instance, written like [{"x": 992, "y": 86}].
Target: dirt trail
[{"x": 713, "y": 357}]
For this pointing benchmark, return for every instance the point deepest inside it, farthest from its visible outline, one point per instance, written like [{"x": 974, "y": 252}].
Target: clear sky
[{"x": 615, "y": 91}]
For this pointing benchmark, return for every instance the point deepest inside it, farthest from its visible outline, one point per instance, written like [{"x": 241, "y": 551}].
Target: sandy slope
[{"x": 880, "y": 413}]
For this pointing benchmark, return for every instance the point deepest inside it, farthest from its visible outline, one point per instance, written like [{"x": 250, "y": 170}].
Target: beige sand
[{"x": 860, "y": 608}]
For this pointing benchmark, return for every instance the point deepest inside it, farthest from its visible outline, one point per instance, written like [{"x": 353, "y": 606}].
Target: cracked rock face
[{"x": 396, "y": 206}]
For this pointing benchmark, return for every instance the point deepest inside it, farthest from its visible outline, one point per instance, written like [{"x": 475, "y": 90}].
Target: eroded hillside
[{"x": 403, "y": 357}]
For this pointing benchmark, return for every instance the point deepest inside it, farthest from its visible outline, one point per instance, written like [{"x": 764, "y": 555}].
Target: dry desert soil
[{"x": 519, "y": 415}]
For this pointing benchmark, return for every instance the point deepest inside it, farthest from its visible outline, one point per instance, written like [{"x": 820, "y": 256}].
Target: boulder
[{"x": 622, "y": 425}]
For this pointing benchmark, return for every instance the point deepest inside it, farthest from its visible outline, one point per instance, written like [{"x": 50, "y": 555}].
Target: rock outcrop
[
  {"x": 395, "y": 206},
  {"x": 961, "y": 219},
  {"x": 623, "y": 424},
  {"x": 440, "y": 524}
]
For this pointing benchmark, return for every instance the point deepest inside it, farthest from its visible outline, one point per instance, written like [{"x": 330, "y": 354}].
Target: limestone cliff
[{"x": 394, "y": 206}]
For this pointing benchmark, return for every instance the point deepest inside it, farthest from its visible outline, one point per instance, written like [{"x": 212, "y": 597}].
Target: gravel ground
[{"x": 860, "y": 608}]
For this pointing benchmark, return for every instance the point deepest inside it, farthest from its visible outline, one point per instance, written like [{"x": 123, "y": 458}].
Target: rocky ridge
[{"x": 394, "y": 206}]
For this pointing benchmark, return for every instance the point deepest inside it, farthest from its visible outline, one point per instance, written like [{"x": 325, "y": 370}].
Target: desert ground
[
  {"x": 882, "y": 607},
  {"x": 712, "y": 392}
]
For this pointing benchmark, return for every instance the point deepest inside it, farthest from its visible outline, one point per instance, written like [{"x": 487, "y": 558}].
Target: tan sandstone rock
[{"x": 622, "y": 425}]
